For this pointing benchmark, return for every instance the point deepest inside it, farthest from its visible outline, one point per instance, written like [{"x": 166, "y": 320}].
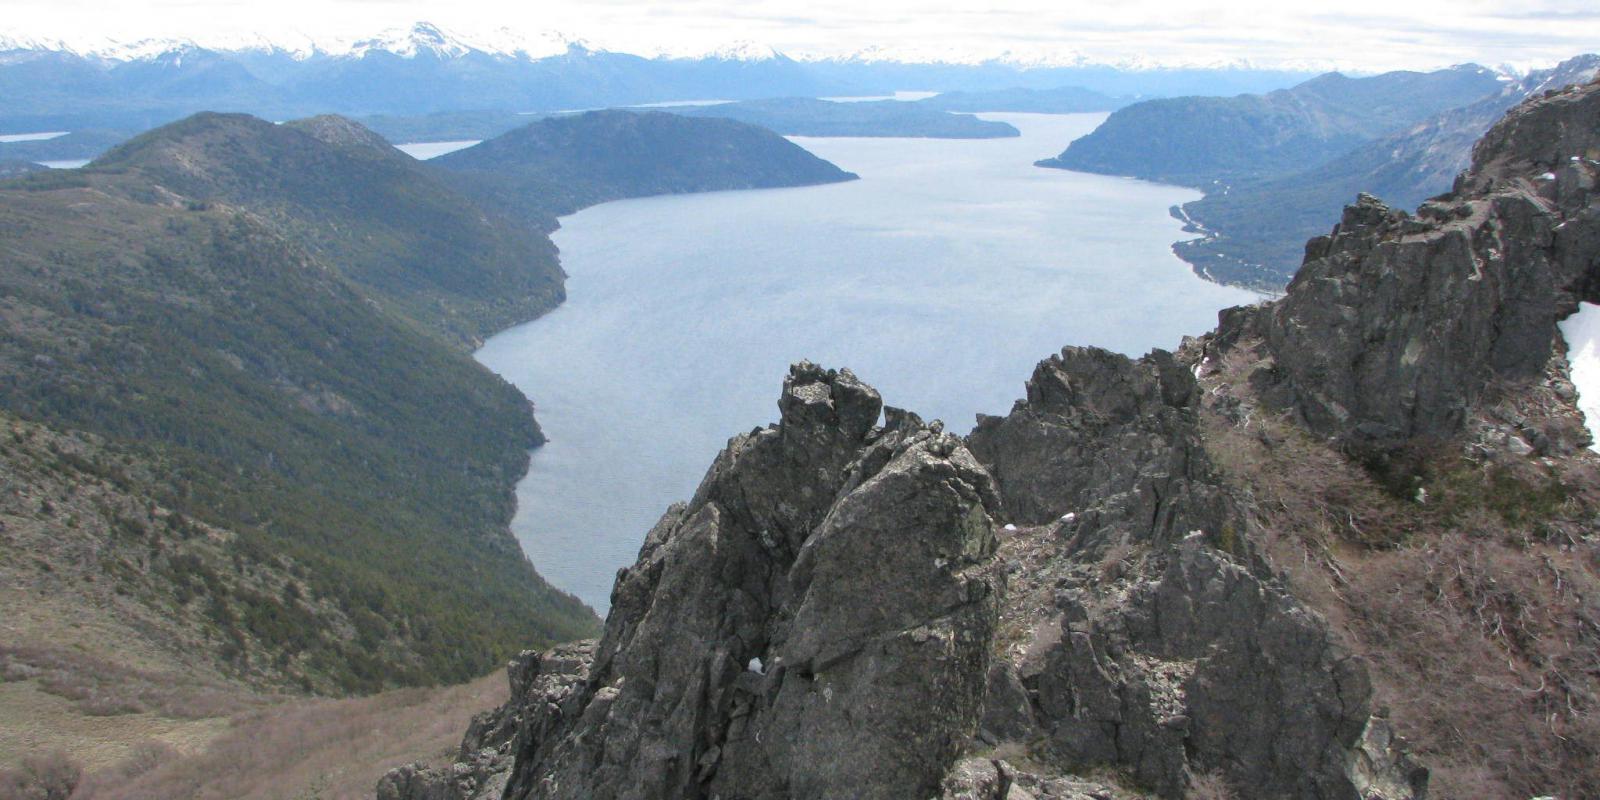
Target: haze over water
[{"x": 940, "y": 278}]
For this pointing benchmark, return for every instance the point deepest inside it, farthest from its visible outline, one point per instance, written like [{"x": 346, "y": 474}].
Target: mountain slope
[
  {"x": 1198, "y": 141},
  {"x": 797, "y": 116},
  {"x": 272, "y": 398},
  {"x": 11, "y": 168},
  {"x": 556, "y": 166},
  {"x": 264, "y": 326},
  {"x": 1256, "y": 229},
  {"x": 390, "y": 225}
]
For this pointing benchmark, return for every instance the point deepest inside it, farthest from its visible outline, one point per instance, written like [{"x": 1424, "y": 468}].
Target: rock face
[
  {"x": 1094, "y": 422},
  {"x": 783, "y": 633},
  {"x": 752, "y": 652},
  {"x": 1397, "y": 324},
  {"x": 1147, "y": 636}
]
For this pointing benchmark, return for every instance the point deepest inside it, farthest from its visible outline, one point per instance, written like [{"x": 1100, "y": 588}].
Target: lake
[
  {"x": 422, "y": 151},
  {"x": 940, "y": 278}
]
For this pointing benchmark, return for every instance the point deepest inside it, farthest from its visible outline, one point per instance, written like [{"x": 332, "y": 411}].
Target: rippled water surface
[{"x": 941, "y": 277}]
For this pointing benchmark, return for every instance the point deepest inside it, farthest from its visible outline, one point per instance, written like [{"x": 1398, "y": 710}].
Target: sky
[{"x": 1360, "y": 35}]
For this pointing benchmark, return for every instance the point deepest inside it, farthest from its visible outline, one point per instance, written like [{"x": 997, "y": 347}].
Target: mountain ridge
[
  {"x": 434, "y": 70},
  {"x": 1255, "y": 230},
  {"x": 1204, "y": 141}
]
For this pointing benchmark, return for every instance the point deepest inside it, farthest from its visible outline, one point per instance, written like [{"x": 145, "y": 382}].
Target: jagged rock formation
[
  {"x": 747, "y": 648},
  {"x": 751, "y": 652},
  {"x": 836, "y": 614},
  {"x": 1397, "y": 324},
  {"x": 1147, "y": 636}
]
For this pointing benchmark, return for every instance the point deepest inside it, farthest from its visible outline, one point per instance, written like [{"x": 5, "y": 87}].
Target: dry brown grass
[
  {"x": 1208, "y": 786},
  {"x": 312, "y": 748},
  {"x": 37, "y": 722},
  {"x": 101, "y": 688},
  {"x": 1479, "y": 610}
]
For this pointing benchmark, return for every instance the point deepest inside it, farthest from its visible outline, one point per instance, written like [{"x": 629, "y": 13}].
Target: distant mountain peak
[
  {"x": 420, "y": 38},
  {"x": 426, "y": 38},
  {"x": 745, "y": 50}
]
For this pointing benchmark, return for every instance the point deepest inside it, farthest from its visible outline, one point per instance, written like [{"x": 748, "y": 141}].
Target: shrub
[{"x": 44, "y": 776}]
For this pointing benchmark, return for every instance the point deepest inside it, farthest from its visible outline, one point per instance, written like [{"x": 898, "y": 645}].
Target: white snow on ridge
[
  {"x": 407, "y": 42},
  {"x": 1582, "y": 332},
  {"x": 426, "y": 38},
  {"x": 744, "y": 50}
]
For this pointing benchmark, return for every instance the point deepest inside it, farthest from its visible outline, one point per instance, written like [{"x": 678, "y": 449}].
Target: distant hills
[
  {"x": 1256, "y": 229},
  {"x": 11, "y": 168},
  {"x": 1060, "y": 100},
  {"x": 557, "y": 165},
  {"x": 392, "y": 226},
  {"x": 423, "y": 70},
  {"x": 796, "y": 116},
  {"x": 248, "y": 343},
  {"x": 1198, "y": 141},
  {"x": 76, "y": 145}
]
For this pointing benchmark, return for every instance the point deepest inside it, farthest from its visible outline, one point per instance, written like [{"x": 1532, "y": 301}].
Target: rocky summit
[
  {"x": 1397, "y": 324},
  {"x": 1192, "y": 574}
]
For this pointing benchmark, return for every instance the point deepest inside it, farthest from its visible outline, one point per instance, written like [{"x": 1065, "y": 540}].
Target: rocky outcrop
[
  {"x": 1095, "y": 423},
  {"x": 1147, "y": 635},
  {"x": 782, "y": 634},
  {"x": 752, "y": 652},
  {"x": 1397, "y": 324},
  {"x": 540, "y": 682}
]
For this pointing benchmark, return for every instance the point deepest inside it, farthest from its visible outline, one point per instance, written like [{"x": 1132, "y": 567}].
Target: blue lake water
[
  {"x": 940, "y": 278},
  {"x": 422, "y": 151}
]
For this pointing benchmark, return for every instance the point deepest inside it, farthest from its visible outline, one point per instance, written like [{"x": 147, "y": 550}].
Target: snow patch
[{"x": 1582, "y": 332}]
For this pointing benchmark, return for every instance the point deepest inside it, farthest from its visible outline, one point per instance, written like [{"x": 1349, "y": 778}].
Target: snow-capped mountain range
[
  {"x": 77, "y": 83},
  {"x": 420, "y": 39},
  {"x": 424, "y": 39}
]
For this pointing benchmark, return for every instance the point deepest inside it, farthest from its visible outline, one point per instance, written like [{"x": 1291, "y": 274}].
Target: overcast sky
[{"x": 1352, "y": 34}]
